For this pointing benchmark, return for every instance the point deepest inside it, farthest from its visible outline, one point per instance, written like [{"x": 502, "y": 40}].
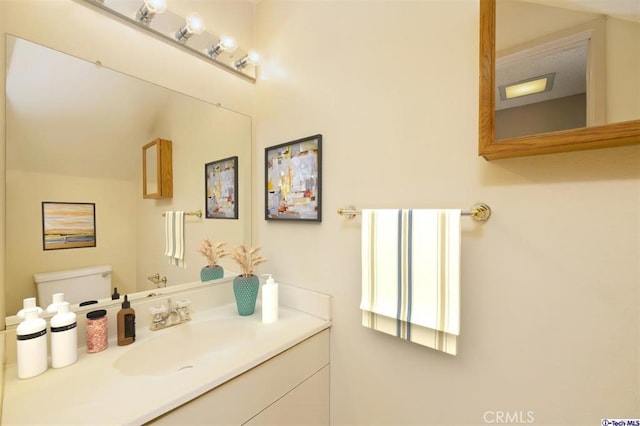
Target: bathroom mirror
[
  {"x": 622, "y": 103},
  {"x": 75, "y": 132}
]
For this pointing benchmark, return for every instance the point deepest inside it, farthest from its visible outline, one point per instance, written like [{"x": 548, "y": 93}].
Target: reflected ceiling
[
  {"x": 621, "y": 9},
  {"x": 96, "y": 115}
]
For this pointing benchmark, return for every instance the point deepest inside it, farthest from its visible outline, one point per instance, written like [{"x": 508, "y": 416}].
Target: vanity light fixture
[
  {"x": 149, "y": 9},
  {"x": 250, "y": 58},
  {"x": 543, "y": 83},
  {"x": 193, "y": 25},
  {"x": 225, "y": 44},
  {"x": 187, "y": 34}
]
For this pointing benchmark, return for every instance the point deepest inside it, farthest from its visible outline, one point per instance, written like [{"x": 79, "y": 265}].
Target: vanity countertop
[{"x": 98, "y": 390}]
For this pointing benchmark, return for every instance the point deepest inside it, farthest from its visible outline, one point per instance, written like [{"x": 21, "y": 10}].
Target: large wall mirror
[
  {"x": 74, "y": 133},
  {"x": 558, "y": 76}
]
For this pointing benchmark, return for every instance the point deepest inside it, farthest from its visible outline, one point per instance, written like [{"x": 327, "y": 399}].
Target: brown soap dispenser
[{"x": 126, "y": 323}]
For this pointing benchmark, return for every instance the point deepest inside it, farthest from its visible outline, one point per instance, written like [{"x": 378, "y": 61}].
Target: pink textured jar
[{"x": 97, "y": 331}]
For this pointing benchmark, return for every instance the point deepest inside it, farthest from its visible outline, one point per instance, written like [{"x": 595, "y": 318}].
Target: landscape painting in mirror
[{"x": 68, "y": 225}]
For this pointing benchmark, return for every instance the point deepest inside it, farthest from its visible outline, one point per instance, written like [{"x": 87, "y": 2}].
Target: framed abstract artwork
[
  {"x": 68, "y": 225},
  {"x": 221, "y": 188},
  {"x": 293, "y": 180}
]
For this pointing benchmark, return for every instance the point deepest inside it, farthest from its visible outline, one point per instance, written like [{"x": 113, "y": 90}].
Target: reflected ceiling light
[
  {"x": 225, "y": 43},
  {"x": 250, "y": 58},
  {"x": 194, "y": 25},
  {"x": 543, "y": 83},
  {"x": 149, "y": 9}
]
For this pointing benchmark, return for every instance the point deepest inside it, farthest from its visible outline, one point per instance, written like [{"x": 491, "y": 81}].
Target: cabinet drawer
[{"x": 307, "y": 404}]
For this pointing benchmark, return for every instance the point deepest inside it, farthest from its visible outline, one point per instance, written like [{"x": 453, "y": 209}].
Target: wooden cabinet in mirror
[{"x": 157, "y": 169}]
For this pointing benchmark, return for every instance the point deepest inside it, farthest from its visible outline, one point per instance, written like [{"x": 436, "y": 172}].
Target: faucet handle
[
  {"x": 182, "y": 309},
  {"x": 155, "y": 310},
  {"x": 183, "y": 303}
]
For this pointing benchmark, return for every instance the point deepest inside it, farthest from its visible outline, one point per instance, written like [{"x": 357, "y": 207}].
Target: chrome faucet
[
  {"x": 156, "y": 279},
  {"x": 169, "y": 315}
]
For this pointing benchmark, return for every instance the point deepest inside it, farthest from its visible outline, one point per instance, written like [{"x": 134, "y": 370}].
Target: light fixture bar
[{"x": 179, "y": 32}]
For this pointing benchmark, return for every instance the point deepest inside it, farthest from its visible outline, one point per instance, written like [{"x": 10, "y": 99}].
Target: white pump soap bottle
[
  {"x": 58, "y": 300},
  {"x": 269, "y": 301}
]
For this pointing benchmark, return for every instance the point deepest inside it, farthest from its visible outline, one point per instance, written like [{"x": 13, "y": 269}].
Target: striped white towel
[
  {"x": 174, "y": 237},
  {"x": 411, "y": 275}
]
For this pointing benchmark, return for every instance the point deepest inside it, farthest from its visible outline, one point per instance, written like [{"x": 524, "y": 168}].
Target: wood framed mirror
[{"x": 592, "y": 137}]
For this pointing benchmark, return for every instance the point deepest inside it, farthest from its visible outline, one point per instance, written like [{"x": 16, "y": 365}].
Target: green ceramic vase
[
  {"x": 245, "y": 290},
  {"x": 209, "y": 273}
]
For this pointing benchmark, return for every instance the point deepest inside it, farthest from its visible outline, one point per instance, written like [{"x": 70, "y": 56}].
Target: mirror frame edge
[{"x": 595, "y": 137}]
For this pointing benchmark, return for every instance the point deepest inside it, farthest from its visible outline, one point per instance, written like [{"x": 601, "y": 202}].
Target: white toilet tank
[{"x": 78, "y": 285}]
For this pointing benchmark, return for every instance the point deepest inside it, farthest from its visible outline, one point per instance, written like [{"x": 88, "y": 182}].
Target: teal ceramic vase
[
  {"x": 209, "y": 273},
  {"x": 245, "y": 290}
]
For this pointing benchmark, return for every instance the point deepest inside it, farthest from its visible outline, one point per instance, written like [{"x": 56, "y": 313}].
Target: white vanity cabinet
[
  {"x": 291, "y": 388},
  {"x": 218, "y": 368}
]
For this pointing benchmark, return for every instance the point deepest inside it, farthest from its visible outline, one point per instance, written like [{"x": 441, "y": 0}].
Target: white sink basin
[{"x": 179, "y": 347}]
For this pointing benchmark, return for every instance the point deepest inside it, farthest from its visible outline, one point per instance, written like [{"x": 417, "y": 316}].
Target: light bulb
[
  {"x": 225, "y": 43},
  {"x": 228, "y": 43},
  {"x": 156, "y": 6},
  {"x": 149, "y": 9},
  {"x": 193, "y": 25},
  {"x": 250, "y": 58},
  {"x": 254, "y": 57}
]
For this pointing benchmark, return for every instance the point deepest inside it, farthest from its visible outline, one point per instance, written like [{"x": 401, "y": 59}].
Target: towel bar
[
  {"x": 480, "y": 212},
  {"x": 195, "y": 213}
]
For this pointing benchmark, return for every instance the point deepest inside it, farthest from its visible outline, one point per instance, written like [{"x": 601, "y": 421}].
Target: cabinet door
[
  {"x": 157, "y": 169},
  {"x": 307, "y": 404},
  {"x": 244, "y": 397}
]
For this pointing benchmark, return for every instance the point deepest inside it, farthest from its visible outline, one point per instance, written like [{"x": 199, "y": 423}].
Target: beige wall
[
  {"x": 199, "y": 134},
  {"x": 549, "y": 285},
  {"x": 568, "y": 112},
  {"x": 623, "y": 63},
  {"x": 115, "y": 230}
]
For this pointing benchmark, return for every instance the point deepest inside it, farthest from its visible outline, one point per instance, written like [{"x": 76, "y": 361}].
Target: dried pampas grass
[
  {"x": 212, "y": 251},
  {"x": 248, "y": 259}
]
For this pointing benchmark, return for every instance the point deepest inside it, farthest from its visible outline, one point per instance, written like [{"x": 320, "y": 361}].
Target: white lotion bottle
[
  {"x": 58, "y": 299},
  {"x": 29, "y": 302},
  {"x": 64, "y": 337},
  {"x": 31, "y": 344},
  {"x": 269, "y": 301}
]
